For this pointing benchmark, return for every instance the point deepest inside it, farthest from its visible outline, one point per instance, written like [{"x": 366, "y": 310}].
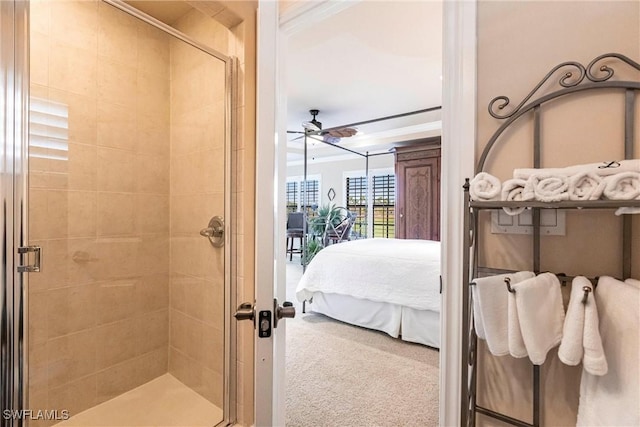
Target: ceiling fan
[{"x": 331, "y": 135}]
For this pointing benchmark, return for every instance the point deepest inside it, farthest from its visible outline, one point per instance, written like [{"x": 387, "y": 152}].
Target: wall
[
  {"x": 98, "y": 320},
  {"x": 196, "y": 339},
  {"x": 518, "y": 43}
]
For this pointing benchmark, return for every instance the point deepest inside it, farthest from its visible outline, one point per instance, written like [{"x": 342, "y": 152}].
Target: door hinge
[{"x": 24, "y": 252}]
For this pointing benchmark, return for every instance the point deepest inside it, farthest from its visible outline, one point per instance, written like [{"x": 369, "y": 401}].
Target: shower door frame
[
  {"x": 14, "y": 180},
  {"x": 14, "y": 95}
]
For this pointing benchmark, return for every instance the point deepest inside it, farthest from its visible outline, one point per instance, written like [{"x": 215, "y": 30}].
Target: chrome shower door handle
[
  {"x": 30, "y": 268},
  {"x": 215, "y": 232}
]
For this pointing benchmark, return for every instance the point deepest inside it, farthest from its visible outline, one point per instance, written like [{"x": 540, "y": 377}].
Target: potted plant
[
  {"x": 327, "y": 217},
  {"x": 313, "y": 247}
]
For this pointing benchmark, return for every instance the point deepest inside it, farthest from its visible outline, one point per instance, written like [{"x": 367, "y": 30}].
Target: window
[
  {"x": 291, "y": 194},
  {"x": 384, "y": 206},
  {"x": 297, "y": 199},
  {"x": 356, "y": 194},
  {"x": 373, "y": 202},
  {"x": 310, "y": 195}
]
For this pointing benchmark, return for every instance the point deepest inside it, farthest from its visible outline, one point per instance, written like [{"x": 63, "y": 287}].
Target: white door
[{"x": 270, "y": 331}]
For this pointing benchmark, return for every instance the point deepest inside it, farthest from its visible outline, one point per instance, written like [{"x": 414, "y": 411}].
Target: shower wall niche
[{"x": 127, "y": 148}]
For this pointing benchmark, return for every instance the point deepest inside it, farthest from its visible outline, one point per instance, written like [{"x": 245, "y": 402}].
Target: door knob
[
  {"x": 245, "y": 311},
  {"x": 286, "y": 310}
]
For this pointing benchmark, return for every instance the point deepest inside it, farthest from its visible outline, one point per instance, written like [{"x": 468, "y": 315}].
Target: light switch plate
[{"x": 552, "y": 222}]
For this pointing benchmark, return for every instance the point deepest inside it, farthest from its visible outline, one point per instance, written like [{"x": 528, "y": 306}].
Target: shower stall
[{"x": 116, "y": 154}]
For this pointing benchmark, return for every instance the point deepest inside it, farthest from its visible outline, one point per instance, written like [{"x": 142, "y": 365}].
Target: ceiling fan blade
[
  {"x": 342, "y": 132},
  {"x": 295, "y": 131}
]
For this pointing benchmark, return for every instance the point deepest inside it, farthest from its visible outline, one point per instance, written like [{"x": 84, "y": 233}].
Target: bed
[{"x": 390, "y": 285}]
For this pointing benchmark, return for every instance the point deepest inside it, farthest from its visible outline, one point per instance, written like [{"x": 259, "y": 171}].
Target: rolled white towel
[
  {"x": 622, "y": 186},
  {"x": 548, "y": 188},
  {"x": 485, "y": 187},
  {"x": 627, "y": 211},
  {"x": 513, "y": 191},
  {"x": 605, "y": 168},
  {"x": 585, "y": 186}
]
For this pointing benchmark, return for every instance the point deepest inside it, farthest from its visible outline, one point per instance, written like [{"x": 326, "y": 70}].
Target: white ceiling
[{"x": 371, "y": 60}]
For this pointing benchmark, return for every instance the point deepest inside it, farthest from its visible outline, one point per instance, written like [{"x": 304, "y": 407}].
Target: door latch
[
  {"x": 264, "y": 324},
  {"x": 24, "y": 252}
]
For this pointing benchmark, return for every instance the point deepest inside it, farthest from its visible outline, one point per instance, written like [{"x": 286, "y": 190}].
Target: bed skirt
[{"x": 409, "y": 324}]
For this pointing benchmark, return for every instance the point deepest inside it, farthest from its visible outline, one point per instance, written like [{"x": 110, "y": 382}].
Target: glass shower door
[{"x": 128, "y": 163}]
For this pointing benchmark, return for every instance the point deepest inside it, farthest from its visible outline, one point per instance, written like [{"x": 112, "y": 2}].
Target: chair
[
  {"x": 295, "y": 229},
  {"x": 340, "y": 232}
]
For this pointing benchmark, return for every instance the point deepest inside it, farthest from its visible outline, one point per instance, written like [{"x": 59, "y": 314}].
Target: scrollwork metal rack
[{"x": 578, "y": 79}]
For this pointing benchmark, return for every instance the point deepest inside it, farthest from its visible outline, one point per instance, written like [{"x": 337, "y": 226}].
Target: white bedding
[{"x": 397, "y": 271}]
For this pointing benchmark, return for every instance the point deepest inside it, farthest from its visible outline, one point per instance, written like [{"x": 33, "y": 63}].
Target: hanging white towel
[
  {"x": 571, "y": 348},
  {"x": 622, "y": 186},
  {"x": 580, "y": 334},
  {"x": 513, "y": 191},
  {"x": 540, "y": 313},
  {"x": 585, "y": 186},
  {"x": 484, "y": 187},
  {"x": 605, "y": 168},
  {"x": 594, "y": 360},
  {"x": 614, "y": 399},
  {"x": 548, "y": 188},
  {"x": 477, "y": 314},
  {"x": 633, "y": 282},
  {"x": 517, "y": 348},
  {"x": 491, "y": 309}
]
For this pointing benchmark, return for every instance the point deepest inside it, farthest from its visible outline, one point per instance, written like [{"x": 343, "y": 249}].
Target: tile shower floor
[{"x": 164, "y": 401}]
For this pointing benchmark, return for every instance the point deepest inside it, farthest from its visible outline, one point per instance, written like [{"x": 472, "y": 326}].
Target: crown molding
[{"x": 300, "y": 14}]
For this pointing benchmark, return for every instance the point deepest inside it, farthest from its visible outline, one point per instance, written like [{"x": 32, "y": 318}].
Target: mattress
[
  {"x": 403, "y": 272},
  {"x": 391, "y": 285}
]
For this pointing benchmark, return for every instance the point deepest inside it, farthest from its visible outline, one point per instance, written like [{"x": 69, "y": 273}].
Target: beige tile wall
[
  {"x": 99, "y": 319},
  {"x": 196, "y": 339}
]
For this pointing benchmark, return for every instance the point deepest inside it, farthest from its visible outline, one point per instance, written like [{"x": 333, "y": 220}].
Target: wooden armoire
[{"x": 417, "y": 168}]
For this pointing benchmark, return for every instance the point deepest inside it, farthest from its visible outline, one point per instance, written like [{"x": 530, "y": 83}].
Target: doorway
[{"x": 336, "y": 175}]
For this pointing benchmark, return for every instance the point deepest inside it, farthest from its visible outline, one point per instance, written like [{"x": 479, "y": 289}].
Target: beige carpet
[{"x": 343, "y": 375}]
